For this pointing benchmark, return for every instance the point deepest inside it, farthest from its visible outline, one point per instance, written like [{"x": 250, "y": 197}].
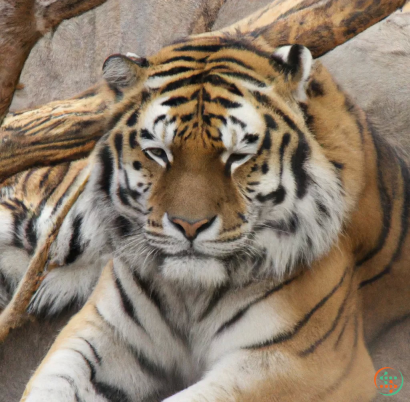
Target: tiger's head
[{"x": 210, "y": 165}]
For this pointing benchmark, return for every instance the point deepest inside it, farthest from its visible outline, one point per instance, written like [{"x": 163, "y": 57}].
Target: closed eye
[
  {"x": 158, "y": 155},
  {"x": 235, "y": 160}
]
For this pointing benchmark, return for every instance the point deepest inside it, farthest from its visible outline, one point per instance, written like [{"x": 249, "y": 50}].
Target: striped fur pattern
[
  {"x": 253, "y": 217},
  {"x": 27, "y": 206}
]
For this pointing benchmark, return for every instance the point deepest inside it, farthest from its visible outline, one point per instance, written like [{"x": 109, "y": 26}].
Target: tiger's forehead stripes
[{"x": 204, "y": 93}]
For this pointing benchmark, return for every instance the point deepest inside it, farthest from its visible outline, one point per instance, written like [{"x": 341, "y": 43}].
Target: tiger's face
[{"x": 216, "y": 174}]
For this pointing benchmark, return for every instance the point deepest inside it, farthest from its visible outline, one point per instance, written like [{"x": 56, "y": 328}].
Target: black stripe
[
  {"x": 114, "y": 120},
  {"x": 284, "y": 144},
  {"x": 133, "y": 193},
  {"x": 299, "y": 325},
  {"x": 323, "y": 210},
  {"x": 65, "y": 144},
  {"x": 277, "y": 196},
  {"x": 217, "y": 117},
  {"x": 176, "y": 101},
  {"x": 227, "y": 43},
  {"x": 104, "y": 320},
  {"x": 404, "y": 226},
  {"x": 342, "y": 331},
  {"x": 194, "y": 79},
  {"x": 385, "y": 201},
  {"x": 132, "y": 120},
  {"x": 302, "y": 153},
  {"x": 319, "y": 341},
  {"x": 38, "y": 122},
  {"x": 88, "y": 363},
  {"x": 152, "y": 294},
  {"x": 8, "y": 206},
  {"x": 107, "y": 170},
  {"x": 226, "y": 103},
  {"x": 146, "y": 134},
  {"x": 179, "y": 58},
  {"x": 245, "y": 77},
  {"x": 235, "y": 120},
  {"x": 110, "y": 392},
  {"x": 270, "y": 125},
  {"x": 324, "y": 396},
  {"x": 145, "y": 364},
  {"x": 118, "y": 148},
  {"x": 315, "y": 89},
  {"x": 117, "y": 92},
  {"x": 127, "y": 303},
  {"x": 123, "y": 225},
  {"x": 298, "y": 161},
  {"x": 353, "y": 110},
  {"x": 182, "y": 132},
  {"x": 27, "y": 179},
  {"x": 230, "y": 60},
  {"x": 187, "y": 117},
  {"x": 133, "y": 139},
  {"x": 75, "y": 247},
  {"x": 284, "y": 227},
  {"x": 93, "y": 349},
  {"x": 45, "y": 177},
  {"x": 217, "y": 80},
  {"x": 250, "y": 138},
  {"x": 171, "y": 71},
  {"x": 149, "y": 367},
  {"x": 41, "y": 129},
  {"x": 31, "y": 232},
  {"x": 72, "y": 385},
  {"x": 227, "y": 324},
  {"x": 199, "y": 48},
  {"x": 149, "y": 291},
  {"x": 64, "y": 195},
  {"x": 159, "y": 118},
  {"x": 216, "y": 297}
]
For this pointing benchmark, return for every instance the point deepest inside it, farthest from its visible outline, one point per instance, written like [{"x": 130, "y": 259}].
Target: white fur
[
  {"x": 306, "y": 60},
  {"x": 190, "y": 272}
]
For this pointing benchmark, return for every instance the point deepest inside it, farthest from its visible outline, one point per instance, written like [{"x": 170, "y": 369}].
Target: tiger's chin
[{"x": 193, "y": 271}]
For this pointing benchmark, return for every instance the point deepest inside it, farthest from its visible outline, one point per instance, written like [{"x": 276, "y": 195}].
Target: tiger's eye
[{"x": 158, "y": 152}]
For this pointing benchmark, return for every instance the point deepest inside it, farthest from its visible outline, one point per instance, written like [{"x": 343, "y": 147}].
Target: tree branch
[{"x": 22, "y": 24}]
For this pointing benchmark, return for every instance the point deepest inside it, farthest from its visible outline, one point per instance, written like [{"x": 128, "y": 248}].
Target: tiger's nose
[{"x": 191, "y": 229}]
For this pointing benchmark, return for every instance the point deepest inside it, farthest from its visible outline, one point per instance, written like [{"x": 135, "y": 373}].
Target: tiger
[
  {"x": 248, "y": 218},
  {"x": 63, "y": 131}
]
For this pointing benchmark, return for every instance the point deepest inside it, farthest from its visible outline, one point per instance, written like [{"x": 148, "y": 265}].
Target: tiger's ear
[
  {"x": 123, "y": 71},
  {"x": 296, "y": 61}
]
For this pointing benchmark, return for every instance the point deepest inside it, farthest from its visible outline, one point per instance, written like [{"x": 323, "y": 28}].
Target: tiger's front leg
[
  {"x": 116, "y": 349},
  {"x": 269, "y": 375},
  {"x": 249, "y": 376},
  {"x": 302, "y": 342}
]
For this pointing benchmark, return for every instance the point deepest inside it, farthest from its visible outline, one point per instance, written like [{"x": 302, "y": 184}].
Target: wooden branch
[
  {"x": 22, "y": 24},
  {"x": 57, "y": 132},
  {"x": 321, "y": 25}
]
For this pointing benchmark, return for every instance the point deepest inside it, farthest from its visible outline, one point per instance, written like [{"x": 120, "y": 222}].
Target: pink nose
[{"x": 191, "y": 229}]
